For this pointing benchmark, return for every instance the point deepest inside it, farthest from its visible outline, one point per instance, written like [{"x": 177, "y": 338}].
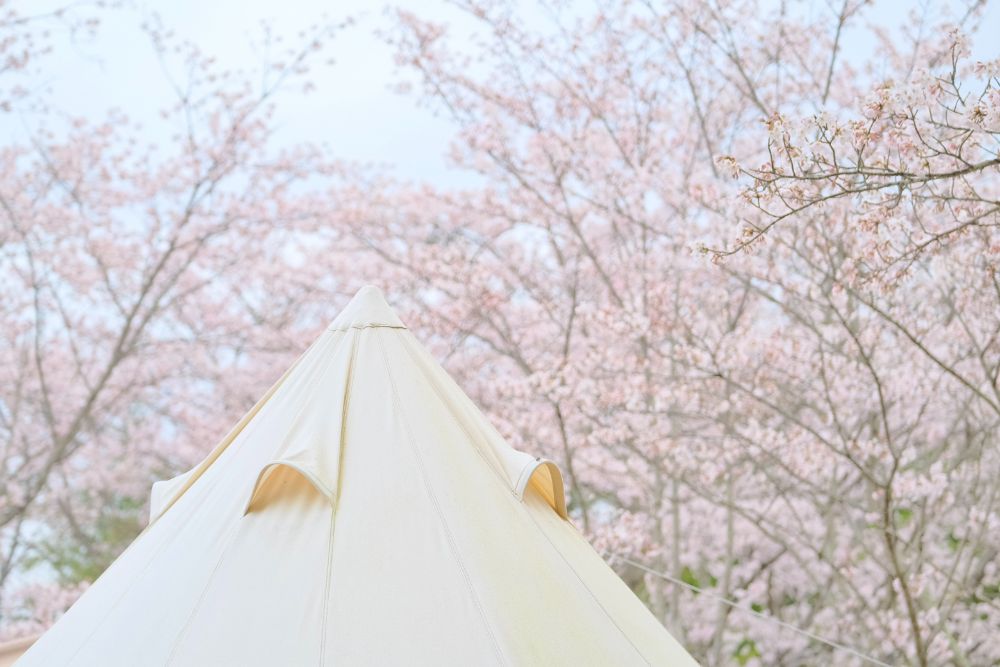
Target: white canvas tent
[{"x": 364, "y": 512}]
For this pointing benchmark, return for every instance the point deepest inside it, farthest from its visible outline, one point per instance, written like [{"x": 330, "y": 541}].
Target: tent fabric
[{"x": 364, "y": 512}]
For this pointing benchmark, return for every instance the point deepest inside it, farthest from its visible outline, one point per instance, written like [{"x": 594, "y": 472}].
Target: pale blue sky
[{"x": 354, "y": 110}]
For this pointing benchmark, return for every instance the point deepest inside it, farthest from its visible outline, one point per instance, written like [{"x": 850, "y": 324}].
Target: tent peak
[{"x": 367, "y": 309}]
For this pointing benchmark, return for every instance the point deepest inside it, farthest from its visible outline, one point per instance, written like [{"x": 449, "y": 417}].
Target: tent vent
[
  {"x": 543, "y": 476},
  {"x": 276, "y": 475}
]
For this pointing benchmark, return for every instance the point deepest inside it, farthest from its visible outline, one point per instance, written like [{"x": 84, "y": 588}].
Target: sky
[{"x": 354, "y": 109}]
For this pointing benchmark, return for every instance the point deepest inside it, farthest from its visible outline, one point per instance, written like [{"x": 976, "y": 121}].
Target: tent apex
[{"x": 368, "y": 308}]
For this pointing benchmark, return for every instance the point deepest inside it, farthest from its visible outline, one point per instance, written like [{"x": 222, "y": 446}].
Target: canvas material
[{"x": 365, "y": 513}]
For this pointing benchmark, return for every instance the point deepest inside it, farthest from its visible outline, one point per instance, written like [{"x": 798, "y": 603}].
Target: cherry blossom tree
[
  {"x": 147, "y": 293},
  {"x": 919, "y": 145},
  {"x": 807, "y": 428}
]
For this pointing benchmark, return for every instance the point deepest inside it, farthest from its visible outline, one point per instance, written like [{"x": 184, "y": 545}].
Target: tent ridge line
[
  {"x": 587, "y": 588},
  {"x": 491, "y": 462},
  {"x": 234, "y": 532},
  {"x": 246, "y": 422},
  {"x": 480, "y": 442},
  {"x": 335, "y": 499},
  {"x": 428, "y": 487},
  {"x": 309, "y": 386}
]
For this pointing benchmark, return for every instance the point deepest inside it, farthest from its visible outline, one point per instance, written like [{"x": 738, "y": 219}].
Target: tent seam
[
  {"x": 479, "y": 440},
  {"x": 231, "y": 437},
  {"x": 326, "y": 587},
  {"x": 583, "y": 583},
  {"x": 494, "y": 465},
  {"x": 437, "y": 507},
  {"x": 310, "y": 386},
  {"x": 248, "y": 428},
  {"x": 204, "y": 592},
  {"x": 121, "y": 596},
  {"x": 335, "y": 501},
  {"x": 520, "y": 499}
]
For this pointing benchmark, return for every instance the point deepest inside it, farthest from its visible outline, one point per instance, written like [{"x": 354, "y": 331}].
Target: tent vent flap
[
  {"x": 276, "y": 473},
  {"x": 544, "y": 477}
]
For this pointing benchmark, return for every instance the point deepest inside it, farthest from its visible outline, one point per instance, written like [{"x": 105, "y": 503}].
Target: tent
[{"x": 364, "y": 512}]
